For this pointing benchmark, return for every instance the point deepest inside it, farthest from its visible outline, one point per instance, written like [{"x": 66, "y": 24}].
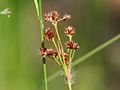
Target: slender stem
[
  {"x": 57, "y": 50},
  {"x": 70, "y": 86},
  {"x": 42, "y": 43},
  {"x": 70, "y": 55},
  {"x": 60, "y": 46},
  {"x": 73, "y": 54},
  {"x": 38, "y": 4},
  {"x": 45, "y": 74},
  {"x": 59, "y": 40},
  {"x": 88, "y": 55},
  {"x": 68, "y": 76},
  {"x": 57, "y": 61}
]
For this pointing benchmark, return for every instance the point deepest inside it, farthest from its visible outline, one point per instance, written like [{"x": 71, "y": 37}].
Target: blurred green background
[{"x": 95, "y": 21}]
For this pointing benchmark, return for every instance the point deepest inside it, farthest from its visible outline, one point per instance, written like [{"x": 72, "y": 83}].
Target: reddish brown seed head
[
  {"x": 52, "y": 16},
  {"x": 47, "y": 52},
  {"x": 50, "y": 52},
  {"x": 72, "y": 45},
  {"x": 69, "y": 31},
  {"x": 49, "y": 34},
  {"x": 42, "y": 52}
]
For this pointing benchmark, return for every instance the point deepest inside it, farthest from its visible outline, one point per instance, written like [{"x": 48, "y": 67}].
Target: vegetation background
[{"x": 95, "y": 21}]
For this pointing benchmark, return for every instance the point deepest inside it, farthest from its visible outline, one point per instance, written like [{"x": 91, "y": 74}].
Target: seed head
[
  {"x": 50, "y": 52},
  {"x": 69, "y": 31},
  {"x": 72, "y": 45},
  {"x": 42, "y": 52},
  {"x": 52, "y": 16},
  {"x": 47, "y": 52},
  {"x": 66, "y": 58},
  {"x": 49, "y": 34}
]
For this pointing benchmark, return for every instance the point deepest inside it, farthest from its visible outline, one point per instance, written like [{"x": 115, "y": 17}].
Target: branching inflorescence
[{"x": 59, "y": 55}]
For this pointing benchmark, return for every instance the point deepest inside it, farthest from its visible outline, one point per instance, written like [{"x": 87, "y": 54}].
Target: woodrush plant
[{"x": 62, "y": 57}]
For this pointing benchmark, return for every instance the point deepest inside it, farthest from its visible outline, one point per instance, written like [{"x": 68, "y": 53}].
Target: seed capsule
[
  {"x": 72, "y": 45},
  {"x": 49, "y": 34},
  {"x": 69, "y": 31}
]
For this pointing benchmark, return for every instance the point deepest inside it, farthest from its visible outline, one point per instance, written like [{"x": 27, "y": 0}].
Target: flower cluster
[
  {"x": 72, "y": 45},
  {"x": 47, "y": 52},
  {"x": 49, "y": 34},
  {"x": 55, "y": 16},
  {"x": 60, "y": 55}
]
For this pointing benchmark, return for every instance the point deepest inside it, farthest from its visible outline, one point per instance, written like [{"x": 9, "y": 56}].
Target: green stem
[
  {"x": 73, "y": 54},
  {"x": 89, "y": 54},
  {"x": 38, "y": 4},
  {"x": 45, "y": 74},
  {"x": 70, "y": 55}
]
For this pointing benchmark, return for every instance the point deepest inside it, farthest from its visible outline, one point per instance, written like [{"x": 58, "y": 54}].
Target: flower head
[
  {"x": 42, "y": 52},
  {"x": 72, "y": 45},
  {"x": 50, "y": 52},
  {"x": 47, "y": 52},
  {"x": 52, "y": 16},
  {"x": 69, "y": 31},
  {"x": 49, "y": 34}
]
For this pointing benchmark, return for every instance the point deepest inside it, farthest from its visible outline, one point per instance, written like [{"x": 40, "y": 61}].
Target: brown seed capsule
[
  {"x": 54, "y": 15},
  {"x": 72, "y": 45},
  {"x": 48, "y": 34},
  {"x": 69, "y": 31},
  {"x": 42, "y": 52},
  {"x": 66, "y": 58},
  {"x": 50, "y": 52}
]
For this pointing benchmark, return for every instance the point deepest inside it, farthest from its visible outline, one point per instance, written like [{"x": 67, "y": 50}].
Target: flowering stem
[
  {"x": 59, "y": 40},
  {"x": 68, "y": 76},
  {"x": 57, "y": 50},
  {"x": 38, "y": 4},
  {"x": 73, "y": 54},
  {"x": 60, "y": 46},
  {"x": 89, "y": 54},
  {"x": 70, "y": 86}
]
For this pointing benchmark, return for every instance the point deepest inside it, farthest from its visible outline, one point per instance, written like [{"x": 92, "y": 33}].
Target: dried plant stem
[
  {"x": 57, "y": 50},
  {"x": 88, "y": 55},
  {"x": 38, "y": 4},
  {"x": 60, "y": 47},
  {"x": 59, "y": 40},
  {"x": 68, "y": 77}
]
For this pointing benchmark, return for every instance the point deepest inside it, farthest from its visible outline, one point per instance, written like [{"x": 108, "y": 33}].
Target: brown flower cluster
[
  {"x": 55, "y": 16},
  {"x": 48, "y": 34},
  {"x": 69, "y": 31},
  {"x": 62, "y": 57},
  {"x": 72, "y": 45},
  {"x": 47, "y": 52}
]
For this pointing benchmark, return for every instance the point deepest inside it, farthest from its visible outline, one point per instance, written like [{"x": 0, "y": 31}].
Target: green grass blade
[
  {"x": 38, "y": 4},
  {"x": 37, "y": 7}
]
